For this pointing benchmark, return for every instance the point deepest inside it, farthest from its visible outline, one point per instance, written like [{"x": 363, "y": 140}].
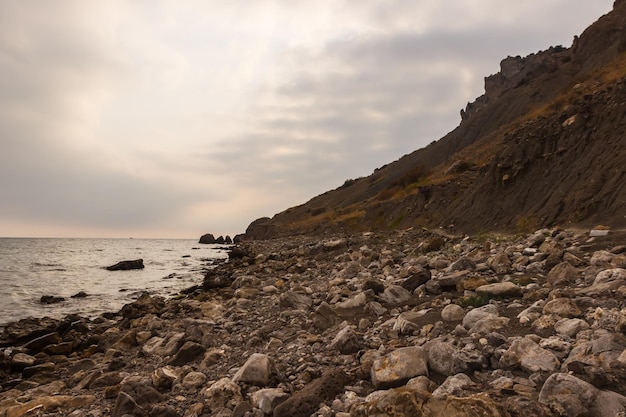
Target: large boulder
[{"x": 207, "y": 239}]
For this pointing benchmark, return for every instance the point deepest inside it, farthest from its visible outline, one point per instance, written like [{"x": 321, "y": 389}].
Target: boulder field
[{"x": 403, "y": 323}]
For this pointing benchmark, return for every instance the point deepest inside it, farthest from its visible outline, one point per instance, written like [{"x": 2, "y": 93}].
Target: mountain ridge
[{"x": 541, "y": 147}]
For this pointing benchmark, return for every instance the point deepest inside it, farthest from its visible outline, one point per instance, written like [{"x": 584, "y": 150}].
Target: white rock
[
  {"x": 452, "y": 312},
  {"x": 256, "y": 371},
  {"x": 397, "y": 367}
]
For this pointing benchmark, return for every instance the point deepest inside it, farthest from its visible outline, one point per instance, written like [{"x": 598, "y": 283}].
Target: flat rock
[
  {"x": 529, "y": 356},
  {"x": 500, "y": 289},
  {"x": 306, "y": 401}
]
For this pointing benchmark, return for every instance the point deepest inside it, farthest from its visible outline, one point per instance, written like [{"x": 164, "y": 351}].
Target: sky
[{"x": 170, "y": 118}]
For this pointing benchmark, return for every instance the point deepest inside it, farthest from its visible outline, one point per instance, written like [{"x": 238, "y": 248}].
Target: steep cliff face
[{"x": 545, "y": 145}]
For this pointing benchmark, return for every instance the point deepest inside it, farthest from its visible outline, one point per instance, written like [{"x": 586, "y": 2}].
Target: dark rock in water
[
  {"x": 126, "y": 265},
  {"x": 81, "y": 294},
  {"x": 220, "y": 240},
  {"x": 207, "y": 239},
  {"x": 50, "y": 299},
  {"x": 239, "y": 238},
  {"x": 228, "y": 240}
]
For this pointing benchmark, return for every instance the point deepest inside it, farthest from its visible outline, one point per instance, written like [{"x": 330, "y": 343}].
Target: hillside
[{"x": 544, "y": 146}]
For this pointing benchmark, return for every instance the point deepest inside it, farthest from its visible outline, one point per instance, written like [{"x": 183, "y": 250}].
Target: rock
[
  {"x": 397, "y": 367},
  {"x": 601, "y": 258},
  {"x": 452, "y": 312},
  {"x": 358, "y": 301},
  {"x": 395, "y": 295},
  {"x": 476, "y": 314},
  {"x": 141, "y": 392},
  {"x": 443, "y": 358},
  {"x": 54, "y": 403},
  {"x": 563, "y": 307},
  {"x": 500, "y": 264},
  {"x": 214, "y": 279},
  {"x": 562, "y": 275},
  {"x": 462, "y": 264},
  {"x": 194, "y": 380},
  {"x": 222, "y": 394},
  {"x": 40, "y": 343},
  {"x": 393, "y": 402},
  {"x": 21, "y": 360},
  {"x": 605, "y": 282},
  {"x": 126, "y": 265},
  {"x": 489, "y": 324},
  {"x": 529, "y": 356},
  {"x": 296, "y": 301},
  {"x": 570, "y": 396},
  {"x": 570, "y": 327},
  {"x": 207, "y": 239},
  {"x": 188, "y": 352},
  {"x": 163, "y": 411},
  {"x": 500, "y": 289},
  {"x": 479, "y": 405},
  {"x": 125, "y": 405},
  {"x": 257, "y": 370},
  {"x": 50, "y": 299},
  {"x": 144, "y": 305},
  {"x": 453, "y": 386},
  {"x": 306, "y": 401},
  {"x": 415, "y": 280},
  {"x": 346, "y": 341},
  {"x": 324, "y": 317},
  {"x": 163, "y": 378},
  {"x": 267, "y": 399}
]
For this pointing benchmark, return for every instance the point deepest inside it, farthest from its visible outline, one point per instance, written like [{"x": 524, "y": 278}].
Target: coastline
[{"x": 346, "y": 326}]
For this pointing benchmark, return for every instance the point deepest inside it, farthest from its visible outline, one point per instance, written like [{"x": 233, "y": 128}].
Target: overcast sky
[{"x": 175, "y": 118}]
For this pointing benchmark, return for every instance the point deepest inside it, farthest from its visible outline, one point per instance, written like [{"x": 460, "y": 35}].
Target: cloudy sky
[{"x": 173, "y": 118}]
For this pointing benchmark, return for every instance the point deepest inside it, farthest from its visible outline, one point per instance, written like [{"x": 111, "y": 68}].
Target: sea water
[{"x": 31, "y": 268}]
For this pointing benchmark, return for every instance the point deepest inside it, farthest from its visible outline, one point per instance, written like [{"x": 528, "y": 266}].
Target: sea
[{"x": 34, "y": 267}]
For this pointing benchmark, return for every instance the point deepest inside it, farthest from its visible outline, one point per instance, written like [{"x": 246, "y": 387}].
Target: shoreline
[{"x": 346, "y": 326}]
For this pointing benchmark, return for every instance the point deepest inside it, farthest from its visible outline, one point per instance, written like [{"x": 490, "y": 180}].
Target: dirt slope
[{"x": 545, "y": 145}]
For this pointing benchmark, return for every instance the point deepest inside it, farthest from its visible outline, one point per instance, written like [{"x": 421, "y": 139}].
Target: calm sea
[{"x": 31, "y": 268}]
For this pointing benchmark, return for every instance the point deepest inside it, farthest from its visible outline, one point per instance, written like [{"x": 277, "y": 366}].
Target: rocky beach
[{"x": 400, "y": 323}]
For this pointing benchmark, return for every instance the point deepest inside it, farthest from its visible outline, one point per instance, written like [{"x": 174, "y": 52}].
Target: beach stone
[
  {"x": 462, "y": 264},
  {"x": 500, "y": 289},
  {"x": 397, "y": 367},
  {"x": 443, "y": 358},
  {"x": 194, "y": 379},
  {"x": 38, "y": 344},
  {"x": 536, "y": 239},
  {"x": 125, "y": 405},
  {"x": 563, "y": 307},
  {"x": 324, "y": 317},
  {"x": 29, "y": 371},
  {"x": 222, "y": 394},
  {"x": 450, "y": 280},
  {"x": 164, "y": 378},
  {"x": 416, "y": 279},
  {"x": 476, "y": 314},
  {"x": 601, "y": 258},
  {"x": 489, "y": 324},
  {"x": 141, "y": 391},
  {"x": 346, "y": 341},
  {"x": 257, "y": 370},
  {"x": 107, "y": 380},
  {"x": 452, "y": 312},
  {"x": 20, "y": 361},
  {"x": 570, "y": 327},
  {"x": 527, "y": 355},
  {"x": 453, "y": 386},
  {"x": 143, "y": 306},
  {"x": 62, "y": 404},
  {"x": 571, "y": 396},
  {"x": 395, "y": 295},
  {"x": 562, "y": 275},
  {"x": 605, "y": 283},
  {"x": 306, "y": 401},
  {"x": 478, "y": 405},
  {"x": 267, "y": 399},
  {"x": 163, "y": 411},
  {"x": 296, "y": 301},
  {"x": 393, "y": 402},
  {"x": 357, "y": 301},
  {"x": 188, "y": 352},
  {"x": 500, "y": 264}
]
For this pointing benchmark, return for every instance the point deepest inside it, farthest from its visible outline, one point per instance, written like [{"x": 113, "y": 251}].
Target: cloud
[{"x": 200, "y": 116}]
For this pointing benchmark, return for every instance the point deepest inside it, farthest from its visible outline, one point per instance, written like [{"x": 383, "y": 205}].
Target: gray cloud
[{"x": 123, "y": 116}]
